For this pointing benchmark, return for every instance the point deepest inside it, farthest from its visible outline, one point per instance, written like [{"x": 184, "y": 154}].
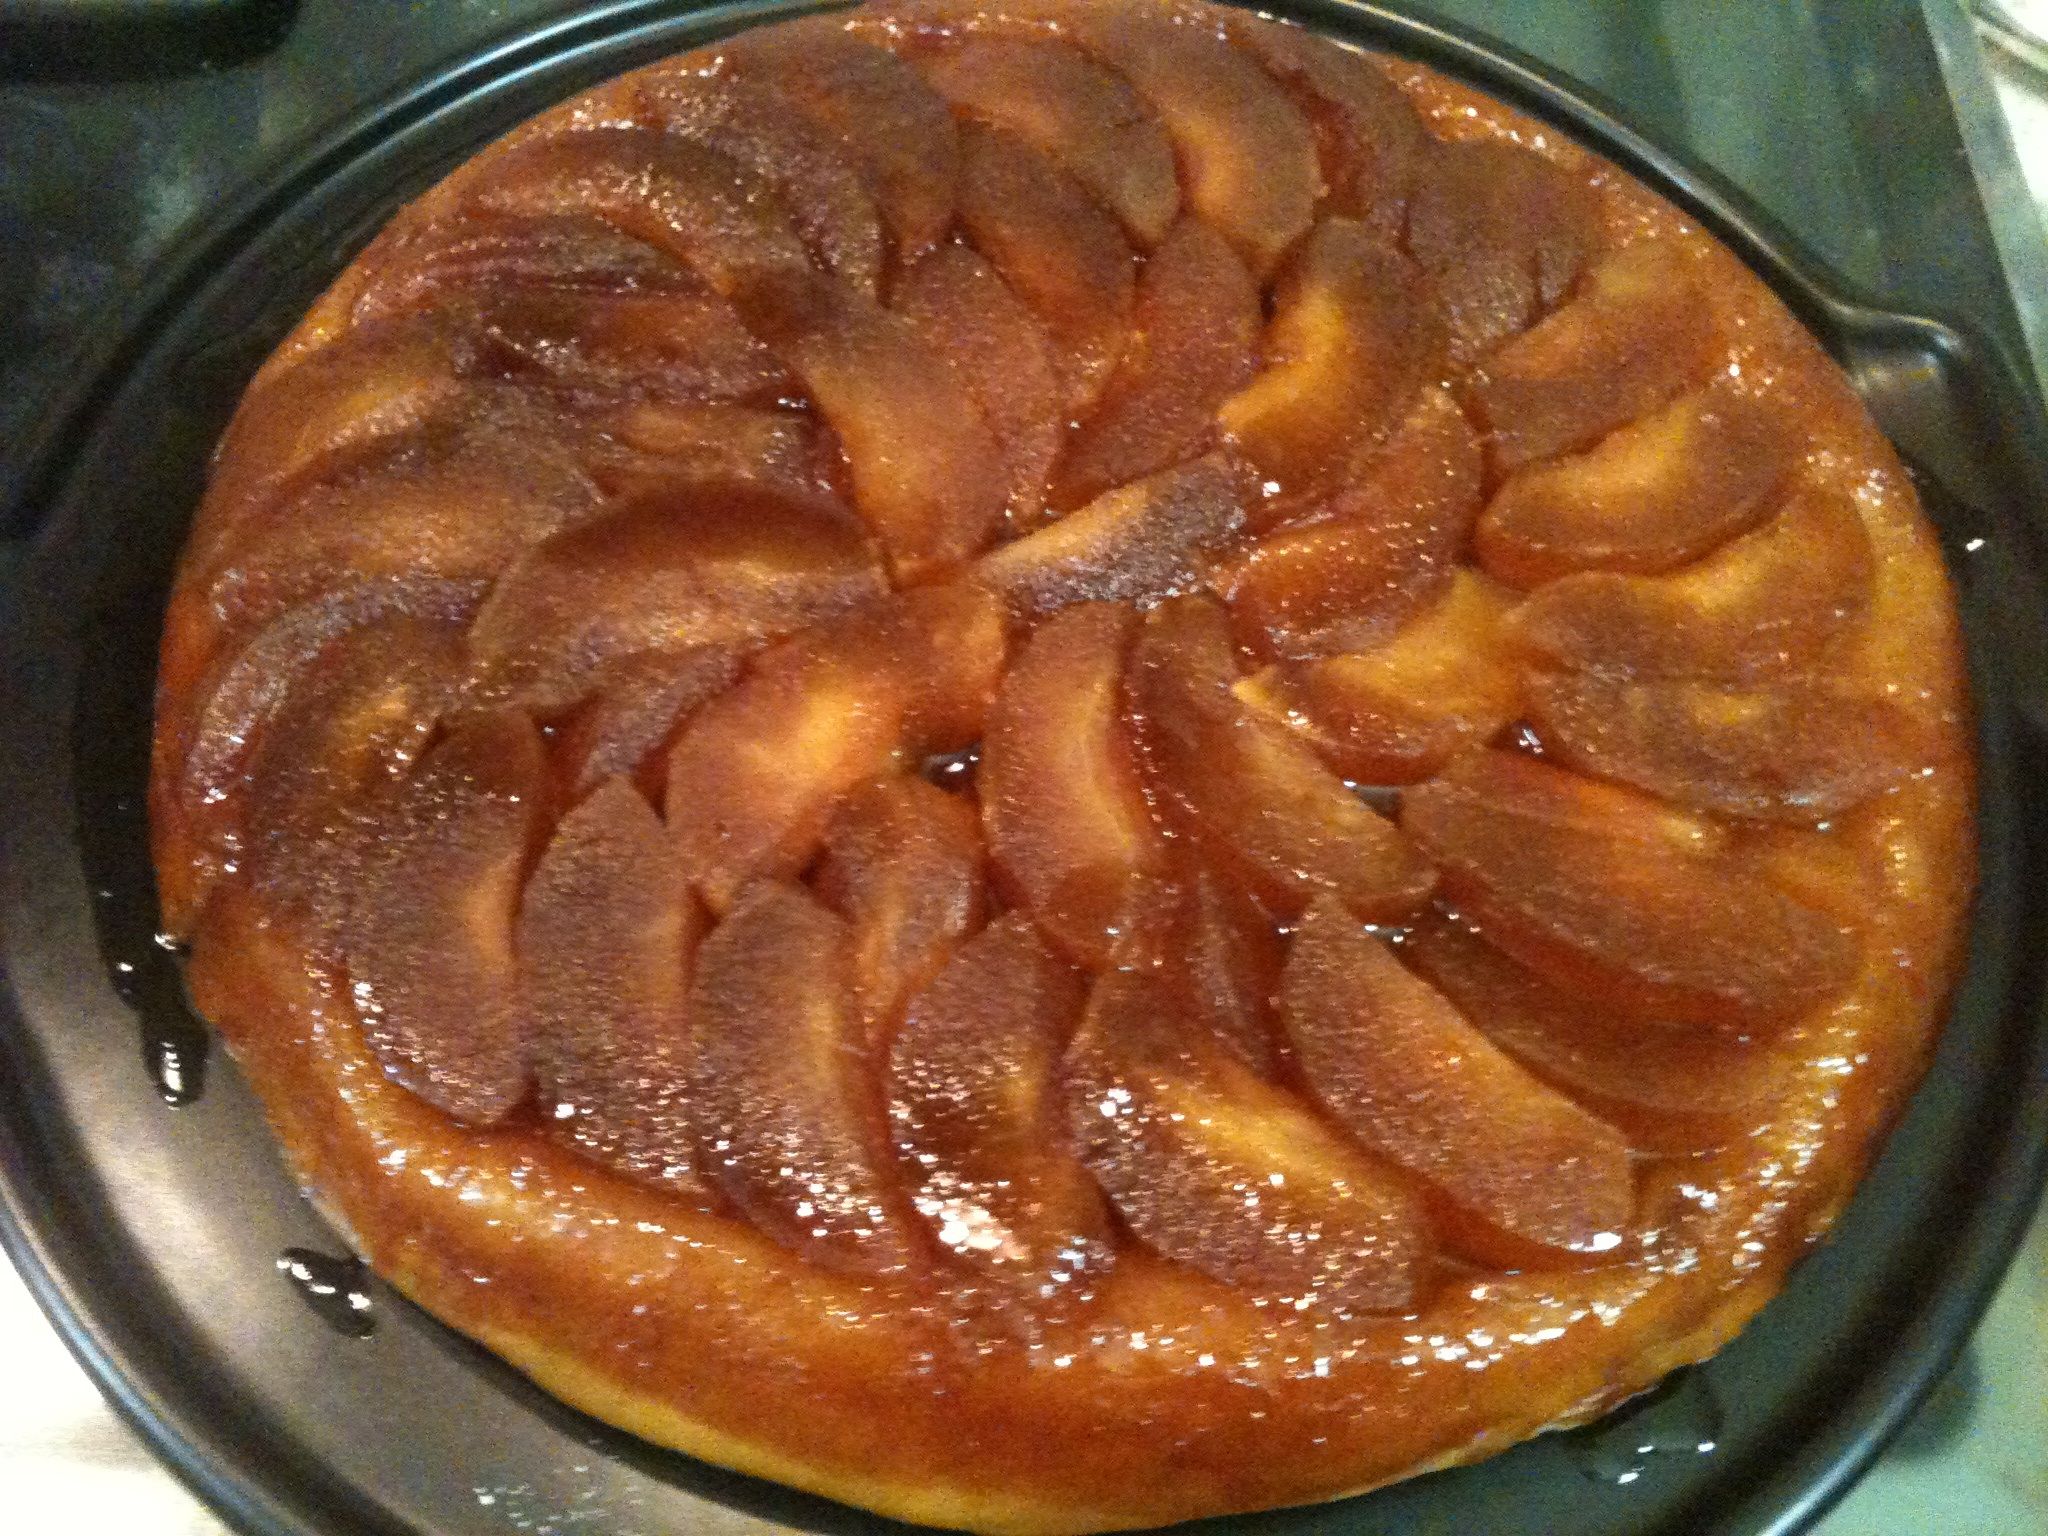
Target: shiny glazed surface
[{"x": 1197, "y": 420}]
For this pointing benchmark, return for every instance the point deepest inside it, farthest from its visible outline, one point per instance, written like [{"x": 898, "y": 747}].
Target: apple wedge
[
  {"x": 1247, "y": 155},
  {"x": 1503, "y": 232},
  {"x": 800, "y": 162},
  {"x": 1354, "y": 335},
  {"x": 1799, "y": 749},
  {"x": 606, "y": 935},
  {"x": 427, "y": 939},
  {"x": 1053, "y": 244},
  {"x": 1055, "y": 98},
  {"x": 1638, "y": 332},
  {"x": 902, "y": 864},
  {"x": 1194, "y": 342},
  {"x": 1772, "y": 603},
  {"x": 1069, "y": 832},
  {"x": 1004, "y": 356},
  {"x": 1396, "y": 714},
  {"x": 755, "y": 775},
  {"x": 1376, "y": 555},
  {"x": 1140, "y": 541},
  {"x": 1250, "y": 792},
  {"x": 781, "y": 1090},
  {"x": 1655, "y": 495},
  {"x": 975, "y": 1109},
  {"x": 1221, "y": 1171},
  {"x": 678, "y": 195},
  {"x": 1523, "y": 1175},
  {"x": 690, "y": 566},
  {"x": 1371, "y": 145},
  {"x": 1670, "y": 1091},
  {"x": 1616, "y": 897},
  {"x": 927, "y": 474},
  {"x": 895, "y": 128}
]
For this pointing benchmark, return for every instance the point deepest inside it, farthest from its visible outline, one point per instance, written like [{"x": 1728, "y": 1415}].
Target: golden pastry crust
[{"x": 1194, "y": 416}]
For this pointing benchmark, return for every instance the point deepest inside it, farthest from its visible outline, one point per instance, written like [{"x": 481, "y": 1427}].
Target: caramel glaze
[{"x": 1170, "y": 1395}]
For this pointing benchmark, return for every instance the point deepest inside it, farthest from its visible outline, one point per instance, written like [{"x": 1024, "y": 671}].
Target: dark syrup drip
[
  {"x": 1680, "y": 1418},
  {"x": 338, "y": 1290},
  {"x": 953, "y": 771},
  {"x": 110, "y": 764}
]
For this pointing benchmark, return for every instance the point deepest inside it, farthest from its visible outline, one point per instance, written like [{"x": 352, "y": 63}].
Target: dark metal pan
[{"x": 152, "y": 1232}]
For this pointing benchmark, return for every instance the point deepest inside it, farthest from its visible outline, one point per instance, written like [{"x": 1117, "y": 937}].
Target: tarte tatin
[{"x": 1059, "y": 765}]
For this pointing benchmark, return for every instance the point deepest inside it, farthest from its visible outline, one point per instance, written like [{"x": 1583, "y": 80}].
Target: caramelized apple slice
[
  {"x": 1354, "y": 334},
  {"x": 753, "y": 126},
  {"x": 1797, "y": 749},
  {"x": 702, "y": 565},
  {"x": 1068, "y": 829},
  {"x": 1370, "y": 142},
  {"x": 1227, "y": 1174},
  {"x": 686, "y": 344},
  {"x": 428, "y": 937},
  {"x": 1247, "y": 788},
  {"x": 1649, "y": 498},
  {"x": 754, "y": 776},
  {"x": 787, "y": 1123},
  {"x": 1610, "y": 895},
  {"x": 1062, "y": 103},
  {"x": 1639, "y": 332},
  {"x": 1217, "y": 954},
  {"x": 1139, "y": 541},
  {"x": 646, "y": 448},
  {"x": 1526, "y": 1173},
  {"x": 1195, "y": 335},
  {"x": 460, "y": 513},
  {"x": 606, "y": 934},
  {"x": 1503, "y": 232},
  {"x": 413, "y": 267},
  {"x": 634, "y": 709},
  {"x": 896, "y": 128},
  {"x": 1247, "y": 155},
  {"x": 677, "y": 194},
  {"x": 1397, "y": 714},
  {"x": 1054, "y": 245},
  {"x": 1668, "y": 1090},
  {"x": 1003, "y": 354},
  {"x": 356, "y": 395},
  {"x": 1774, "y": 601},
  {"x": 973, "y": 1099},
  {"x": 927, "y": 476},
  {"x": 330, "y": 701},
  {"x": 902, "y": 865},
  {"x": 1381, "y": 551}
]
